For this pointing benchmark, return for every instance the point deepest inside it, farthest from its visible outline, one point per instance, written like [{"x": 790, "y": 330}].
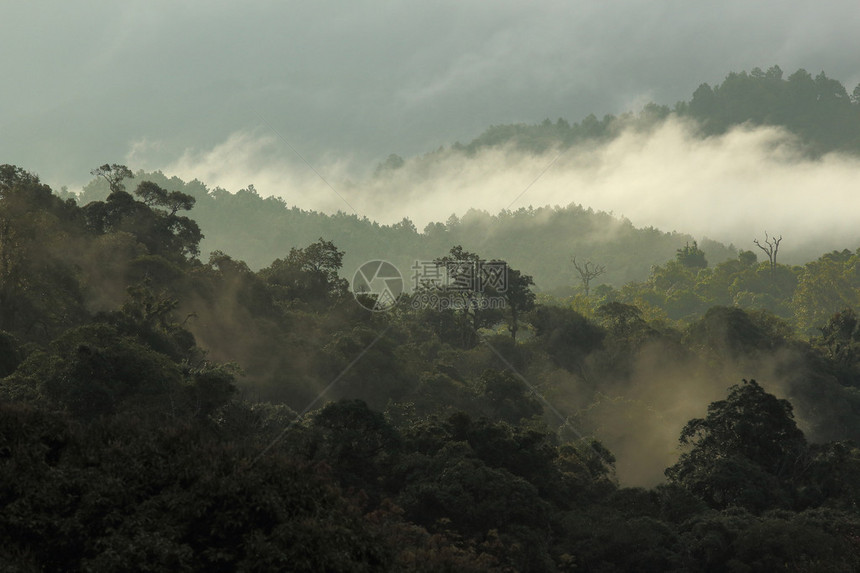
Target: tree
[
  {"x": 588, "y": 272},
  {"x": 468, "y": 287},
  {"x": 622, "y": 320},
  {"x": 172, "y": 201},
  {"x": 518, "y": 297},
  {"x": 93, "y": 371},
  {"x": 770, "y": 248},
  {"x": 40, "y": 286},
  {"x": 567, "y": 336},
  {"x": 840, "y": 344},
  {"x": 508, "y": 397},
  {"x": 309, "y": 274},
  {"x": 747, "y": 258},
  {"x": 744, "y": 452},
  {"x": 153, "y": 221},
  {"x": 114, "y": 174},
  {"x": 392, "y": 163},
  {"x": 825, "y": 287},
  {"x": 151, "y": 193},
  {"x": 692, "y": 256},
  {"x": 356, "y": 441}
]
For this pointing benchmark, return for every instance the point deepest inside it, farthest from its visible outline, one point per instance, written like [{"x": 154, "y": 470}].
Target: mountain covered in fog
[
  {"x": 256, "y": 416},
  {"x": 748, "y": 134},
  {"x": 541, "y": 241},
  {"x": 817, "y": 109},
  {"x": 634, "y": 344}
]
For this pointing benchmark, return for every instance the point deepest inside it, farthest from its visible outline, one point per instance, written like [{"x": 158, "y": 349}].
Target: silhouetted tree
[
  {"x": 518, "y": 297},
  {"x": 114, "y": 174}
]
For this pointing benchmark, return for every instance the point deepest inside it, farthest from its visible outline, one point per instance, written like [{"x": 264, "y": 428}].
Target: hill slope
[{"x": 539, "y": 241}]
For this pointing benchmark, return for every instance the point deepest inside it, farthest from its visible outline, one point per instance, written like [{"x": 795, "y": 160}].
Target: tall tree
[
  {"x": 468, "y": 286},
  {"x": 309, "y": 274},
  {"x": 114, "y": 174},
  {"x": 518, "y": 297},
  {"x": 743, "y": 452}
]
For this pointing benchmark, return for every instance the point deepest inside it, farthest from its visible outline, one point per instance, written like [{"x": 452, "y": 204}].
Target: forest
[{"x": 170, "y": 403}]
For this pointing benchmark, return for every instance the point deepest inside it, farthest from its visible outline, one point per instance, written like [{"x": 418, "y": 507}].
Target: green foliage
[
  {"x": 567, "y": 336},
  {"x": 130, "y": 440},
  {"x": 730, "y": 332},
  {"x": 743, "y": 453},
  {"x": 155, "y": 196},
  {"x": 734, "y": 540},
  {"x": 153, "y": 221},
  {"x": 122, "y": 495},
  {"x": 357, "y": 442},
  {"x": 309, "y": 275},
  {"x": 624, "y": 321},
  {"x": 467, "y": 295},
  {"x": 840, "y": 344},
  {"x": 825, "y": 287},
  {"x": 256, "y": 230},
  {"x": 692, "y": 256},
  {"x": 40, "y": 290},
  {"x": 508, "y": 397},
  {"x": 817, "y": 109},
  {"x": 93, "y": 371},
  {"x": 518, "y": 296},
  {"x": 114, "y": 175}
]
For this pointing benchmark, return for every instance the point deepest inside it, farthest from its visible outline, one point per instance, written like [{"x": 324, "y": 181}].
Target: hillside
[
  {"x": 819, "y": 110},
  {"x": 161, "y": 412},
  {"x": 190, "y": 382},
  {"x": 258, "y": 230}
]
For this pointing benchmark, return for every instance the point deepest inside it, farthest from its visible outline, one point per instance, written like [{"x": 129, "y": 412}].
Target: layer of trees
[
  {"x": 255, "y": 230},
  {"x": 162, "y": 412},
  {"x": 682, "y": 290},
  {"x": 819, "y": 110}
]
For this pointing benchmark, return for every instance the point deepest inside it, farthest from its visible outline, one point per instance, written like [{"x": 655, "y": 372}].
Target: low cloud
[{"x": 730, "y": 188}]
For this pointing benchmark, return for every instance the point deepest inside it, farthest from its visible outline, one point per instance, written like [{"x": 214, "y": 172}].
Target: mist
[
  {"x": 370, "y": 78},
  {"x": 731, "y": 188},
  {"x": 639, "y": 418}
]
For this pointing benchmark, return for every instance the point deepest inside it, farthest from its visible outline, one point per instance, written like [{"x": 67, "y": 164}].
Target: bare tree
[
  {"x": 770, "y": 248},
  {"x": 587, "y": 272}
]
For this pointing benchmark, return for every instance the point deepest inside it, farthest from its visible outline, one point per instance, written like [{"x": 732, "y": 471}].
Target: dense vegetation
[
  {"x": 255, "y": 230},
  {"x": 159, "y": 412},
  {"x": 203, "y": 394},
  {"x": 819, "y": 110}
]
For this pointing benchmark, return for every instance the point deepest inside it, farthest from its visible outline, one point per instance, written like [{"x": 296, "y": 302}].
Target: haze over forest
[
  {"x": 622, "y": 334},
  {"x": 186, "y": 92}
]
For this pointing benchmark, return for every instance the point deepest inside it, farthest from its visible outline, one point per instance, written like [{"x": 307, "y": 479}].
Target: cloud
[
  {"x": 730, "y": 188},
  {"x": 370, "y": 77},
  {"x": 263, "y": 160}
]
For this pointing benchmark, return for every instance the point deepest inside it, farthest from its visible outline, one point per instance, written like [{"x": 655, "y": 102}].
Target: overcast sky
[{"x": 89, "y": 82}]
